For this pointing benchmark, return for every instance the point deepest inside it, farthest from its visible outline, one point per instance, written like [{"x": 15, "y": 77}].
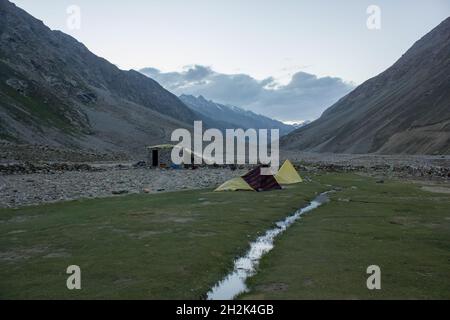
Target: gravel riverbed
[
  {"x": 37, "y": 188},
  {"x": 24, "y": 183}
]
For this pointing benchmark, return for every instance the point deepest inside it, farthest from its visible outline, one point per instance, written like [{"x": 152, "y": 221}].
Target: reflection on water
[{"x": 244, "y": 267}]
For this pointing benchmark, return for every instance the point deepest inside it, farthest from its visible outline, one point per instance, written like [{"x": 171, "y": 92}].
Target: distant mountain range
[
  {"x": 298, "y": 125},
  {"x": 229, "y": 117},
  {"x": 405, "y": 109},
  {"x": 54, "y": 91}
]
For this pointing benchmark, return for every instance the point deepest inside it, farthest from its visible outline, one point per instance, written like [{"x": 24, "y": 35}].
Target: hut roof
[{"x": 162, "y": 146}]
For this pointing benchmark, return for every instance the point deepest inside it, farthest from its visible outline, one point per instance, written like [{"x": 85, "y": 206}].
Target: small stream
[{"x": 244, "y": 267}]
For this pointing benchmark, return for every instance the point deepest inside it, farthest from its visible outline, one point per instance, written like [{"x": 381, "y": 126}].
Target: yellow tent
[
  {"x": 235, "y": 184},
  {"x": 287, "y": 174}
]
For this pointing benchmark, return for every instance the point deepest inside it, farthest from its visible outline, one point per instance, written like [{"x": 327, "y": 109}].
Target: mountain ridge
[
  {"x": 232, "y": 116},
  {"x": 54, "y": 91},
  {"x": 405, "y": 109}
]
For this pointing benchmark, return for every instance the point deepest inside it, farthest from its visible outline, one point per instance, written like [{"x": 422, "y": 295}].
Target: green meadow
[
  {"x": 178, "y": 245},
  {"x": 396, "y": 226}
]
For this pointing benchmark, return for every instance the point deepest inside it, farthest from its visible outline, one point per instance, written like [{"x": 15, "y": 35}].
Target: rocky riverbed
[
  {"x": 392, "y": 166},
  {"x": 36, "y": 188},
  {"x": 30, "y": 183},
  {"x": 17, "y": 152},
  {"x": 369, "y": 160}
]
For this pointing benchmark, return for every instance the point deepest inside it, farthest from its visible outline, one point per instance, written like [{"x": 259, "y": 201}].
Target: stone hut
[{"x": 160, "y": 155}]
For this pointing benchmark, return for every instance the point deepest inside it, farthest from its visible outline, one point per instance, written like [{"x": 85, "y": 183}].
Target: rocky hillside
[
  {"x": 405, "y": 109},
  {"x": 230, "y": 117},
  {"x": 54, "y": 91}
]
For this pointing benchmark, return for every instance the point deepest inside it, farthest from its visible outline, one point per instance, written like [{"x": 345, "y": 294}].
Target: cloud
[{"x": 305, "y": 97}]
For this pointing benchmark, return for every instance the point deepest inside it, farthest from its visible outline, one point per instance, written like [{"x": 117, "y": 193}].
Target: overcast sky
[
  {"x": 262, "y": 39},
  {"x": 304, "y": 97}
]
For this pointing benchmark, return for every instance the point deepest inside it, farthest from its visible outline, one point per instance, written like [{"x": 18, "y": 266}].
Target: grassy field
[
  {"x": 178, "y": 245},
  {"x": 169, "y": 245},
  {"x": 403, "y": 230}
]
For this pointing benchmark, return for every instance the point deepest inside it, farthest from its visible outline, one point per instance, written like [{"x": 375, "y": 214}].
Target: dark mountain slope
[
  {"x": 405, "y": 109},
  {"x": 53, "y": 90}
]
